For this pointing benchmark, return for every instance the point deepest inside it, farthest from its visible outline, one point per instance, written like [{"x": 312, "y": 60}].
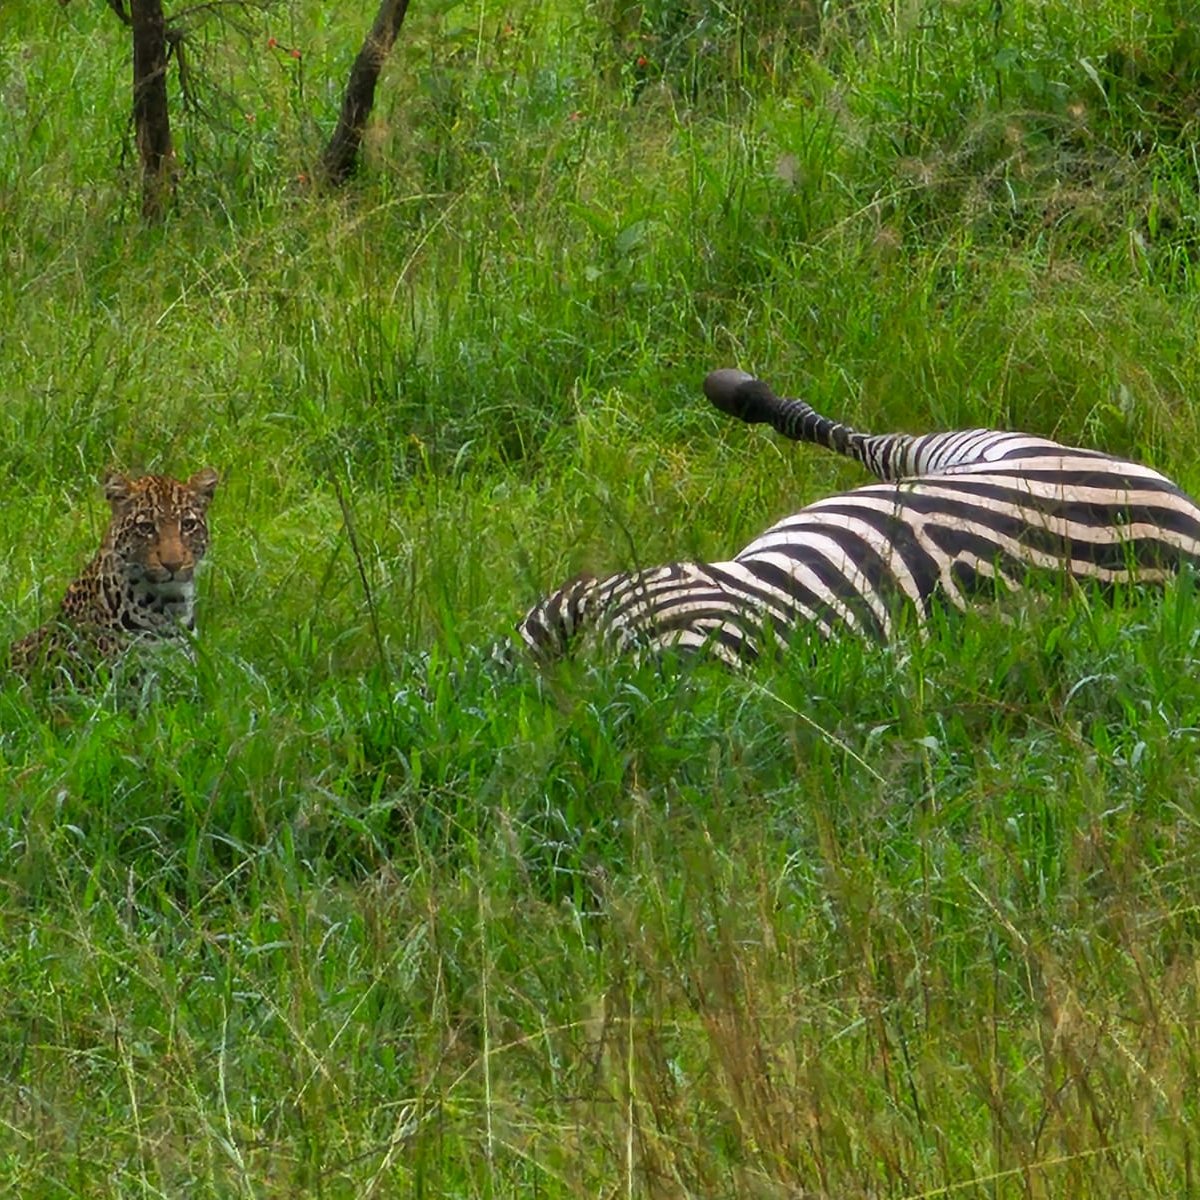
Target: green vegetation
[{"x": 309, "y": 918}]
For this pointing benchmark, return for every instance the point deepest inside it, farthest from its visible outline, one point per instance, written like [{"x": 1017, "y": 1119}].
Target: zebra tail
[{"x": 752, "y": 401}]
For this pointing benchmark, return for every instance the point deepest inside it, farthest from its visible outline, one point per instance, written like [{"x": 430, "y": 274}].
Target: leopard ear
[
  {"x": 117, "y": 488},
  {"x": 203, "y": 484}
]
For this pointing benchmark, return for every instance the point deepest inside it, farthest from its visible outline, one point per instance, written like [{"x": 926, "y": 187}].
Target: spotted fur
[{"x": 139, "y": 586}]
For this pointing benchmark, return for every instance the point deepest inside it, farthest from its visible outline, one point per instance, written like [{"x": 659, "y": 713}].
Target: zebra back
[{"x": 888, "y": 456}]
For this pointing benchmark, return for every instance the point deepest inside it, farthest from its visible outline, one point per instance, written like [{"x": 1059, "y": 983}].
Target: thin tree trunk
[
  {"x": 151, "y": 120},
  {"x": 340, "y": 158}
]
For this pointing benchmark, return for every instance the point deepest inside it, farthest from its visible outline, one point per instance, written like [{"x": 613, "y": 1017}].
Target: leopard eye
[
  {"x": 189, "y": 524},
  {"x": 146, "y": 527}
]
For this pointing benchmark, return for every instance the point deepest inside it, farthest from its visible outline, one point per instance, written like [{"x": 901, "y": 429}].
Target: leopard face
[
  {"x": 157, "y": 536},
  {"x": 141, "y": 583}
]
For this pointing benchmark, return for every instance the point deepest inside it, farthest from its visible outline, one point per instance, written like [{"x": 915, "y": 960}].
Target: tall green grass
[{"x": 341, "y": 910}]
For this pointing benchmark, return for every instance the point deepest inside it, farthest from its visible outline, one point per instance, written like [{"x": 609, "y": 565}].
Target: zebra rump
[{"x": 954, "y": 515}]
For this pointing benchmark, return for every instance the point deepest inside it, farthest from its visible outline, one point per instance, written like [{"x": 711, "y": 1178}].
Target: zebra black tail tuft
[{"x": 741, "y": 396}]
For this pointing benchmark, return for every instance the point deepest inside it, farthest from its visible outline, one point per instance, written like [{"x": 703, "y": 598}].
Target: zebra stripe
[{"x": 984, "y": 511}]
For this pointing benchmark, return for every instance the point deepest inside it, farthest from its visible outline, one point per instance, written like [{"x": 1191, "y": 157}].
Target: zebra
[{"x": 952, "y": 516}]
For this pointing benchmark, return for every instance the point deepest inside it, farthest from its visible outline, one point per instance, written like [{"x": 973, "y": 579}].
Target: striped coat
[{"x": 955, "y": 515}]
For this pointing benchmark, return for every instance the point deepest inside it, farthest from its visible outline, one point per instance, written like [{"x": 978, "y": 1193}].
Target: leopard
[{"x": 138, "y": 588}]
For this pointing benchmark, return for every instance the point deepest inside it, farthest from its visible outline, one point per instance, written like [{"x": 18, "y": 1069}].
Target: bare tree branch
[
  {"x": 118, "y": 6},
  {"x": 181, "y": 15},
  {"x": 151, "y": 119},
  {"x": 340, "y": 158}
]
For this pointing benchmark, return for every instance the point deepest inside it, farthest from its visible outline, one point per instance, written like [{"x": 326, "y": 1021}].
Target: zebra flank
[{"x": 953, "y": 516}]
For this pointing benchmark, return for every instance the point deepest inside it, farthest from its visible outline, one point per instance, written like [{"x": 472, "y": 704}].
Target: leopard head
[{"x": 157, "y": 535}]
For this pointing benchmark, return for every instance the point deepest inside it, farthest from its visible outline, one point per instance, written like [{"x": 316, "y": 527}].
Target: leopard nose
[{"x": 172, "y": 562}]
